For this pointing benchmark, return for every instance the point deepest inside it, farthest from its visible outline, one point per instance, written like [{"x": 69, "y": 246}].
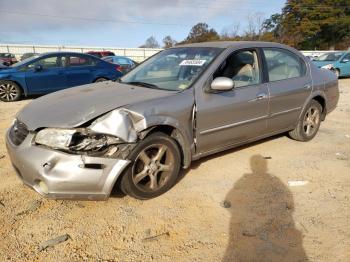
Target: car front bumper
[{"x": 59, "y": 175}]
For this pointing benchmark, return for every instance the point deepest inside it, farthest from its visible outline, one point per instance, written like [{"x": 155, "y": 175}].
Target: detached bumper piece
[{"x": 59, "y": 175}]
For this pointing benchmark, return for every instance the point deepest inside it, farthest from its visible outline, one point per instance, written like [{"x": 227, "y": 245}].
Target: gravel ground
[{"x": 226, "y": 208}]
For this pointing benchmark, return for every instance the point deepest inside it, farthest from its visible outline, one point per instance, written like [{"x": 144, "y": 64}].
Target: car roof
[
  {"x": 64, "y": 52},
  {"x": 230, "y": 44},
  {"x": 116, "y": 56}
]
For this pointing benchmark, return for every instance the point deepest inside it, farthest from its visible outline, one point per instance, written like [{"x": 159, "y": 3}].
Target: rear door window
[
  {"x": 77, "y": 61},
  {"x": 283, "y": 64}
]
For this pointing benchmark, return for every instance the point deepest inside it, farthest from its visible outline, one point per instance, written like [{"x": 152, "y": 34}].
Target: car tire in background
[
  {"x": 309, "y": 123},
  {"x": 100, "y": 79},
  {"x": 10, "y": 91},
  {"x": 154, "y": 168},
  {"x": 336, "y": 72}
]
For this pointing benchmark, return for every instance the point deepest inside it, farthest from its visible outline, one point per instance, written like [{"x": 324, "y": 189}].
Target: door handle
[
  {"x": 259, "y": 96},
  {"x": 307, "y": 86}
]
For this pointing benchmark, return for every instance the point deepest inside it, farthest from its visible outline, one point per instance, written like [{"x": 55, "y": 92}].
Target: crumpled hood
[{"x": 72, "y": 107}]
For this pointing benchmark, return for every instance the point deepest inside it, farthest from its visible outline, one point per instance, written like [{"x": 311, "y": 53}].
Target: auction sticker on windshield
[{"x": 192, "y": 62}]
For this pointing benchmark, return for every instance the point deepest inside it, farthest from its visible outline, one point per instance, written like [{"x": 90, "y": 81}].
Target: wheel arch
[
  {"x": 177, "y": 135},
  {"x": 97, "y": 77},
  {"x": 321, "y": 99},
  {"x": 21, "y": 86}
]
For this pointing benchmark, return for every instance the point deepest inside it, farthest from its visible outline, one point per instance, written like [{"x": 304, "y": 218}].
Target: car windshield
[
  {"x": 6, "y": 55},
  {"x": 329, "y": 57},
  {"x": 172, "y": 69},
  {"x": 25, "y": 61}
]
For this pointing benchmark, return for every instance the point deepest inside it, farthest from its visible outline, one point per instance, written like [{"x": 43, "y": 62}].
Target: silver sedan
[{"x": 180, "y": 105}]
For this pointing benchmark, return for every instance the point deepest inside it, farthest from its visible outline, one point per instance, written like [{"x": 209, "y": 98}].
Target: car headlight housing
[
  {"x": 329, "y": 66},
  {"x": 55, "y": 137},
  {"x": 76, "y": 140}
]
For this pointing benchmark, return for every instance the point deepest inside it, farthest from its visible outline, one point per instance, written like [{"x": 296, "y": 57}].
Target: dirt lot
[{"x": 226, "y": 207}]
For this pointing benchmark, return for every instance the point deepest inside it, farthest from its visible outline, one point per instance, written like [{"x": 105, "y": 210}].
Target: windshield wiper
[{"x": 139, "y": 83}]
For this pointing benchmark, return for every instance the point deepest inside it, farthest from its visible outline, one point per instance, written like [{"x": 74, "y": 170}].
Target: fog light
[{"x": 43, "y": 187}]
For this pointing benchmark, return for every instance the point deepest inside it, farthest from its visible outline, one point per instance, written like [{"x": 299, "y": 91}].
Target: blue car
[
  {"x": 338, "y": 62},
  {"x": 50, "y": 72},
  {"x": 125, "y": 63}
]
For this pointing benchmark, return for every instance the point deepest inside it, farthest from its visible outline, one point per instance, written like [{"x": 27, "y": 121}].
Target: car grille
[{"x": 18, "y": 132}]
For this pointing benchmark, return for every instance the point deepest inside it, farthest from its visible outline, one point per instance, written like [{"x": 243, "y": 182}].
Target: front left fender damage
[{"x": 131, "y": 127}]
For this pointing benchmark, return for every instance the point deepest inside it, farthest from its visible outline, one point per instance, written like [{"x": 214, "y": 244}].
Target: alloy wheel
[
  {"x": 8, "y": 91},
  {"x": 311, "y": 121},
  {"x": 152, "y": 167}
]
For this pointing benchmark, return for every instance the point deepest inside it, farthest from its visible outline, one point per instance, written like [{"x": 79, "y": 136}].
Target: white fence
[
  {"x": 315, "y": 53},
  {"x": 137, "y": 54}
]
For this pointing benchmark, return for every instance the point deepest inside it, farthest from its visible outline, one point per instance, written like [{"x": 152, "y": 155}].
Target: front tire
[
  {"x": 154, "y": 169},
  {"x": 10, "y": 91},
  {"x": 308, "y": 124}
]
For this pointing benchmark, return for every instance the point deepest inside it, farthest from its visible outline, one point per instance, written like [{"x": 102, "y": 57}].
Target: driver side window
[
  {"x": 242, "y": 67},
  {"x": 48, "y": 62}
]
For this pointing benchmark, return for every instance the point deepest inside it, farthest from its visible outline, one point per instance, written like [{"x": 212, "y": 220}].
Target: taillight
[{"x": 118, "y": 68}]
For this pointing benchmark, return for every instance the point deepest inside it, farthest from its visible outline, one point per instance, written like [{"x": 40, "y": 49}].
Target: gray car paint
[{"x": 203, "y": 122}]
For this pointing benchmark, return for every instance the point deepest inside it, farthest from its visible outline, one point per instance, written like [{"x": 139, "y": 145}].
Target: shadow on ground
[{"x": 261, "y": 226}]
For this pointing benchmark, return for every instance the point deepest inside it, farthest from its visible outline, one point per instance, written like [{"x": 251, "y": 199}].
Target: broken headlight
[
  {"x": 55, "y": 138},
  {"x": 75, "y": 139}
]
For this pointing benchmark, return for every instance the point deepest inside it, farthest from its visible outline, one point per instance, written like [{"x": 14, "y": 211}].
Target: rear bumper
[{"x": 59, "y": 175}]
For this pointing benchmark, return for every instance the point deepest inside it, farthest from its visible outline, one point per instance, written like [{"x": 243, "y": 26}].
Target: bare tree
[
  {"x": 231, "y": 31},
  {"x": 255, "y": 26},
  {"x": 151, "y": 42},
  {"x": 168, "y": 42}
]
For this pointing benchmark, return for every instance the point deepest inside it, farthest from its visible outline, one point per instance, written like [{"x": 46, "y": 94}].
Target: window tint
[
  {"x": 79, "y": 61},
  {"x": 242, "y": 67},
  {"x": 282, "y": 64},
  {"x": 347, "y": 56},
  {"x": 48, "y": 62}
]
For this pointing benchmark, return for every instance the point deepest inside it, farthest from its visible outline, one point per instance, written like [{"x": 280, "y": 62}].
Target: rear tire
[
  {"x": 10, "y": 91},
  {"x": 309, "y": 123},
  {"x": 154, "y": 169},
  {"x": 100, "y": 79}
]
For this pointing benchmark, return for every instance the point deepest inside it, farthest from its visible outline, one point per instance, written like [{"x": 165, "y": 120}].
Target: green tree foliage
[
  {"x": 201, "y": 33},
  {"x": 312, "y": 24}
]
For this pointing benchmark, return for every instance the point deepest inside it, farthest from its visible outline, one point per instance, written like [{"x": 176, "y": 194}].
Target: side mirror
[
  {"x": 38, "y": 68},
  {"x": 222, "y": 84},
  {"x": 345, "y": 60}
]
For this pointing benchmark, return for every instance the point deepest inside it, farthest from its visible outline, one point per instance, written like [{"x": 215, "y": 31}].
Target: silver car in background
[{"x": 182, "y": 104}]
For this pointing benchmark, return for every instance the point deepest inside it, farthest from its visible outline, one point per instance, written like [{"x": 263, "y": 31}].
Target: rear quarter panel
[
  {"x": 106, "y": 70},
  {"x": 325, "y": 84}
]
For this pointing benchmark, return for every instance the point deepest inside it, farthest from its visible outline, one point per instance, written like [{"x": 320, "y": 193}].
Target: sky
[{"x": 120, "y": 23}]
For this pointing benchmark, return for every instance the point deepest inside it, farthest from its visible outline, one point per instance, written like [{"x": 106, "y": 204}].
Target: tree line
[{"x": 303, "y": 24}]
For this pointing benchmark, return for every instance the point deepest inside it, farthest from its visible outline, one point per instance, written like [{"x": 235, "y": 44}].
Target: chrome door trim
[
  {"x": 219, "y": 128},
  {"x": 286, "y": 111}
]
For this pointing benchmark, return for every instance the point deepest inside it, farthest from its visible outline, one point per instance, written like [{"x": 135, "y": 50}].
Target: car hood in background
[
  {"x": 8, "y": 70},
  {"x": 323, "y": 63},
  {"x": 75, "y": 106}
]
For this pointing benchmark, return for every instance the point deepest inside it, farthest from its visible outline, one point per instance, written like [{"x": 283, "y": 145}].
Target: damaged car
[{"x": 178, "y": 106}]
